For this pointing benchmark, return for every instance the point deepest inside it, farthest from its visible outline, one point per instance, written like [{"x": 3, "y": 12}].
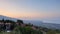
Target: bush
[{"x": 51, "y": 32}]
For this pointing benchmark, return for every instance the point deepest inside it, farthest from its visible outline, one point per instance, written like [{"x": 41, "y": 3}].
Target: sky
[{"x": 45, "y": 10}]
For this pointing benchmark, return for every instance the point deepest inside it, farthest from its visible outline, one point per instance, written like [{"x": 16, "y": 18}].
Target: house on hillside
[
  {"x": 7, "y": 26},
  {"x": 1, "y": 25}
]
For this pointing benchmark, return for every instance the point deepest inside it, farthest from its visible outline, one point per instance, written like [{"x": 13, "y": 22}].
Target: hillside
[
  {"x": 15, "y": 26},
  {"x": 37, "y": 23}
]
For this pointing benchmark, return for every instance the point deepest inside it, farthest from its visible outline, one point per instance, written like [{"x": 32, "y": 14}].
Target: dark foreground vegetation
[{"x": 21, "y": 28}]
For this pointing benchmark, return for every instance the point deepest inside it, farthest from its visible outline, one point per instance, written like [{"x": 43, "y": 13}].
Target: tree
[
  {"x": 57, "y": 30},
  {"x": 19, "y": 21}
]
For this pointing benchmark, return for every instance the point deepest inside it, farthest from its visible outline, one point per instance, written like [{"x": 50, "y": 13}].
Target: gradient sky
[{"x": 46, "y": 10}]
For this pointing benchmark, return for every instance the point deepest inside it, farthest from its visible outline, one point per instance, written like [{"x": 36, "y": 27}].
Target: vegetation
[{"x": 22, "y": 28}]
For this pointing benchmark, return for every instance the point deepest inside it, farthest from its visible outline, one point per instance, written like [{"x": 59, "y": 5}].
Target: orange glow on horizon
[{"x": 25, "y": 14}]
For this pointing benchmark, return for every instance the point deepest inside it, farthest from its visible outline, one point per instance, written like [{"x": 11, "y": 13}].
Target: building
[{"x": 6, "y": 25}]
